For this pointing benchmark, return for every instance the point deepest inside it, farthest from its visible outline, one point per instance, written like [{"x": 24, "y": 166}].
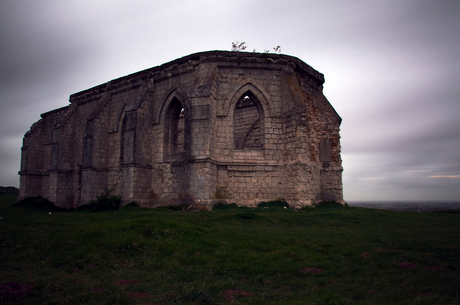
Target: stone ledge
[{"x": 249, "y": 58}]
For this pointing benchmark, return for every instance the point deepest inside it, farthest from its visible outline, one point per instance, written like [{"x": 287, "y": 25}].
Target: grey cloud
[{"x": 391, "y": 68}]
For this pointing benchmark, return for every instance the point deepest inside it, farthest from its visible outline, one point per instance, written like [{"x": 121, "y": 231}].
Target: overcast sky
[{"x": 392, "y": 71}]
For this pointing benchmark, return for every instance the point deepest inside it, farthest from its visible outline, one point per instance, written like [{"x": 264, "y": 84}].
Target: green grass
[{"x": 228, "y": 256}]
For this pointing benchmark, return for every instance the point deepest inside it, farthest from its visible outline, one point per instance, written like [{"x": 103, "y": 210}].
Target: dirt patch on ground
[
  {"x": 407, "y": 265},
  {"x": 434, "y": 268},
  {"x": 311, "y": 270},
  {"x": 128, "y": 282},
  {"x": 141, "y": 295},
  {"x": 15, "y": 290},
  {"x": 232, "y": 294},
  {"x": 388, "y": 250},
  {"x": 144, "y": 296}
]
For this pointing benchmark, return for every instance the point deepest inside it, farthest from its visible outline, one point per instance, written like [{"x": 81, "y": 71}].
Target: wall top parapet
[{"x": 243, "y": 59}]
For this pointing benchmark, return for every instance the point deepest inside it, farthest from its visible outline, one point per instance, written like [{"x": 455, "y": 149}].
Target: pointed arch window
[
  {"x": 175, "y": 129},
  {"x": 88, "y": 144},
  {"x": 248, "y": 123},
  {"x": 128, "y": 138}
]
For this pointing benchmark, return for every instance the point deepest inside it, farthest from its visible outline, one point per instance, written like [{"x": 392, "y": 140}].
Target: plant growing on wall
[
  {"x": 241, "y": 46},
  {"x": 238, "y": 46}
]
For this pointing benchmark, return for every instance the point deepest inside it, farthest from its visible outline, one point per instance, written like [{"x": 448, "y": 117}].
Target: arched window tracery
[
  {"x": 248, "y": 123},
  {"x": 175, "y": 129}
]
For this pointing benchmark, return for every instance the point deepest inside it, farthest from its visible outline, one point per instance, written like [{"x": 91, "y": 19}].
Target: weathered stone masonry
[{"x": 229, "y": 126}]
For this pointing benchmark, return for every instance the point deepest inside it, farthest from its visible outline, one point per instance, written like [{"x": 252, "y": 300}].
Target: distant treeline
[{"x": 9, "y": 190}]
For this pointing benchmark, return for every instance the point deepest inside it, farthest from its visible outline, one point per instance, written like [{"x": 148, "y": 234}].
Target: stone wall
[{"x": 213, "y": 126}]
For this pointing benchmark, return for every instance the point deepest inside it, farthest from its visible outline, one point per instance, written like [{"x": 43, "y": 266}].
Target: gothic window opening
[
  {"x": 247, "y": 125},
  {"x": 128, "y": 138},
  {"x": 175, "y": 129}
]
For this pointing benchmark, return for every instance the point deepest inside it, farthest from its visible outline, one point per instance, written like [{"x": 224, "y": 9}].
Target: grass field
[{"x": 234, "y": 256}]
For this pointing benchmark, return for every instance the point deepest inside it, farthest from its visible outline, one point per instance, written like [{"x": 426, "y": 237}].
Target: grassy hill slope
[{"x": 247, "y": 256}]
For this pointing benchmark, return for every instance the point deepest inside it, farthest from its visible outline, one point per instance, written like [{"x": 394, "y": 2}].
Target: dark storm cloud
[
  {"x": 38, "y": 54},
  {"x": 408, "y": 101},
  {"x": 38, "y": 47},
  {"x": 391, "y": 68}
]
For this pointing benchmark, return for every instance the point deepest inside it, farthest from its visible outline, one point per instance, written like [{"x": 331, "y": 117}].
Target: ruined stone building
[{"x": 214, "y": 126}]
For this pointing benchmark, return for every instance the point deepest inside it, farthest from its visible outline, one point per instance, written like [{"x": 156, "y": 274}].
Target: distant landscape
[
  {"x": 410, "y": 206},
  {"x": 9, "y": 190}
]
